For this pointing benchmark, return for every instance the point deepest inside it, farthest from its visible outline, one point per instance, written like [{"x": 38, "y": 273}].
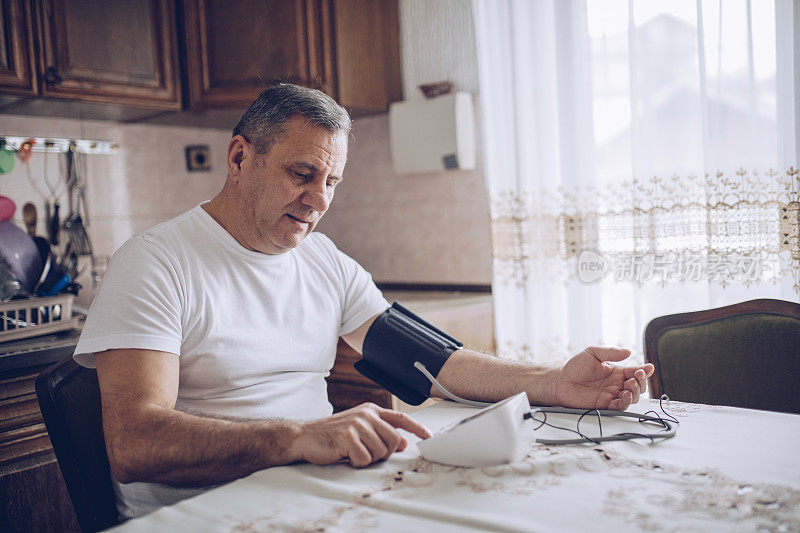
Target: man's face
[{"x": 287, "y": 190}]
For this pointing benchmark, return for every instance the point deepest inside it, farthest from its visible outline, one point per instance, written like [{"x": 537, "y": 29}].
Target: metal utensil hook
[{"x": 55, "y": 191}]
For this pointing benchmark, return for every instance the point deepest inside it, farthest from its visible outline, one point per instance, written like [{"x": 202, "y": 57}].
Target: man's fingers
[
  {"x": 646, "y": 369},
  {"x": 403, "y": 421},
  {"x": 369, "y": 436},
  {"x": 609, "y": 354},
  {"x": 358, "y": 454},
  {"x": 623, "y": 402},
  {"x": 390, "y": 436},
  {"x": 632, "y": 386},
  {"x": 640, "y": 374},
  {"x": 641, "y": 379}
]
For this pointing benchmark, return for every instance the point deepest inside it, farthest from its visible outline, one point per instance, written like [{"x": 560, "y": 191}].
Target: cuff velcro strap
[{"x": 395, "y": 341}]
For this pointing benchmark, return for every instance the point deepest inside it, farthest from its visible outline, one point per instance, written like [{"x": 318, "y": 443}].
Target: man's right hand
[{"x": 362, "y": 435}]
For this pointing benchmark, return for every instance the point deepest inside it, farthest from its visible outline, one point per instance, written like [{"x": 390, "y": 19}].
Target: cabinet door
[
  {"x": 111, "y": 51},
  {"x": 366, "y": 53},
  {"x": 234, "y": 47},
  {"x": 17, "y": 71},
  {"x": 347, "y": 388}
]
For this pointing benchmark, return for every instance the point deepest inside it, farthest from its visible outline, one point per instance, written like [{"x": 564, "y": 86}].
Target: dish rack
[{"x": 30, "y": 317}]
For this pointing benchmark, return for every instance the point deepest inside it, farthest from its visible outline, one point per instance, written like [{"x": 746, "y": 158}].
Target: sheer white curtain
[{"x": 640, "y": 159}]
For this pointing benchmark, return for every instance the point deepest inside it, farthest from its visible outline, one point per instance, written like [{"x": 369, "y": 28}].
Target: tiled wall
[
  {"x": 145, "y": 183},
  {"x": 431, "y": 228},
  {"x": 426, "y": 228}
]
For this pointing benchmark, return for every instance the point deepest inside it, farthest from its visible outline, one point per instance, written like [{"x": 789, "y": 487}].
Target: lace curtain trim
[{"x": 739, "y": 228}]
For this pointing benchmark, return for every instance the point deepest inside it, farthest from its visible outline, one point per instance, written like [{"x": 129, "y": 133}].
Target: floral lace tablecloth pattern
[{"x": 727, "y": 469}]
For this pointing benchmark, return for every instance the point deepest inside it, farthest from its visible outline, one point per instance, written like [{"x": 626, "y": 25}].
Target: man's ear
[{"x": 238, "y": 151}]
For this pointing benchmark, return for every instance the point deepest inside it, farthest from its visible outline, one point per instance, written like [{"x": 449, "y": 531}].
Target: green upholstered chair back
[
  {"x": 742, "y": 355},
  {"x": 69, "y": 398}
]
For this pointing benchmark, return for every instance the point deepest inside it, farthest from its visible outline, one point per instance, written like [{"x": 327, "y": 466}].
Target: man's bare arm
[
  {"x": 589, "y": 380},
  {"x": 148, "y": 440}
]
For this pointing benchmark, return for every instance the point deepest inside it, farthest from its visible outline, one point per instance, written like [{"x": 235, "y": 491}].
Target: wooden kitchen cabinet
[
  {"x": 17, "y": 52},
  {"x": 110, "y": 51},
  {"x": 366, "y": 54},
  {"x": 233, "y": 47},
  {"x": 140, "y": 60},
  {"x": 347, "y": 48},
  {"x": 33, "y": 496}
]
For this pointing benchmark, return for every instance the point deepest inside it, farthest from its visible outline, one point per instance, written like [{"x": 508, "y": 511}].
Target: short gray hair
[{"x": 263, "y": 122}]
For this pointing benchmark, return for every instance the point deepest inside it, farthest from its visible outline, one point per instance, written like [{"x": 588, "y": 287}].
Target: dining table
[{"x": 726, "y": 469}]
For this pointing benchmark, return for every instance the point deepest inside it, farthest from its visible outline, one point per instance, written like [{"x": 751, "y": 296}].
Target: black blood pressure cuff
[{"x": 395, "y": 341}]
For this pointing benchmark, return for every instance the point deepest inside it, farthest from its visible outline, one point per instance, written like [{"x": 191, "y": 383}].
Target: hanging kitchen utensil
[
  {"x": 25, "y": 156},
  {"x": 54, "y": 225},
  {"x": 82, "y": 190},
  {"x": 29, "y": 216},
  {"x": 54, "y": 221},
  {"x": 69, "y": 175},
  {"x": 74, "y": 224}
]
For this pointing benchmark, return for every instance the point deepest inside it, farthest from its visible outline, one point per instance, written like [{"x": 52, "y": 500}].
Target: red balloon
[{"x": 7, "y": 208}]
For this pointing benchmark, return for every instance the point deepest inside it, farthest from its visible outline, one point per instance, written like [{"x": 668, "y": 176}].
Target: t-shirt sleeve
[
  {"x": 138, "y": 305},
  {"x": 362, "y": 299}
]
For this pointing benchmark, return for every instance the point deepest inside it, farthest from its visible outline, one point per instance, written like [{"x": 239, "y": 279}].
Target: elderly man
[{"x": 213, "y": 332}]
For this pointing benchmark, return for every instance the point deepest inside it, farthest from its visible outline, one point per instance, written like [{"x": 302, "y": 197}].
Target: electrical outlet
[{"x": 197, "y": 158}]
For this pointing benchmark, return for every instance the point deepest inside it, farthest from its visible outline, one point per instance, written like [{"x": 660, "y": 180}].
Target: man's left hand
[{"x": 591, "y": 380}]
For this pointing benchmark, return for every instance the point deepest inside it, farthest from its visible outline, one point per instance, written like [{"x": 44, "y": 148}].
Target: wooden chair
[
  {"x": 743, "y": 355},
  {"x": 69, "y": 398}
]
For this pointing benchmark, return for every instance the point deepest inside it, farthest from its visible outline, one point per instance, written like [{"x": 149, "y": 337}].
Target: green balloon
[{"x": 6, "y": 161}]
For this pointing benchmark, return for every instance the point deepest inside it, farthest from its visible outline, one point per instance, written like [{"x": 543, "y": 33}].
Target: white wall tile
[
  {"x": 145, "y": 183},
  {"x": 423, "y": 222}
]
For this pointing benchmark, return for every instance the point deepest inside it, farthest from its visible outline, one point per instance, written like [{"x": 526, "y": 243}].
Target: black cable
[
  {"x": 661, "y": 406},
  {"x": 599, "y": 421},
  {"x": 656, "y": 419},
  {"x": 545, "y": 423}
]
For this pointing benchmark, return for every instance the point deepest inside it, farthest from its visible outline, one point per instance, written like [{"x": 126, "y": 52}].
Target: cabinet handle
[{"x": 52, "y": 77}]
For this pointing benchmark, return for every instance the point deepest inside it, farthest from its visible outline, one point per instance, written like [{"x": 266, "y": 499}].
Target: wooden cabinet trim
[
  {"x": 328, "y": 50},
  {"x": 368, "y": 74},
  {"x": 12, "y": 387},
  {"x": 20, "y": 78},
  {"x": 108, "y": 86},
  {"x": 204, "y": 95},
  {"x": 22, "y": 433},
  {"x": 347, "y": 48}
]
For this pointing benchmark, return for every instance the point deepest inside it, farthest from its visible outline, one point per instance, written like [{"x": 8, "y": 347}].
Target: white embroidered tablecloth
[{"x": 726, "y": 470}]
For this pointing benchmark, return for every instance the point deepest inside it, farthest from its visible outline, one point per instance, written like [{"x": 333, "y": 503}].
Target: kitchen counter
[
  {"x": 467, "y": 316},
  {"x": 36, "y": 351},
  {"x": 436, "y": 299},
  {"x": 34, "y": 495}
]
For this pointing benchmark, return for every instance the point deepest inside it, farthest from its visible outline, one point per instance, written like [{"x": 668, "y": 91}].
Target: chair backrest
[
  {"x": 743, "y": 355},
  {"x": 69, "y": 398}
]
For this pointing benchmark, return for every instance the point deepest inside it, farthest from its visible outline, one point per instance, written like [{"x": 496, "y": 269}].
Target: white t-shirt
[{"x": 256, "y": 334}]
